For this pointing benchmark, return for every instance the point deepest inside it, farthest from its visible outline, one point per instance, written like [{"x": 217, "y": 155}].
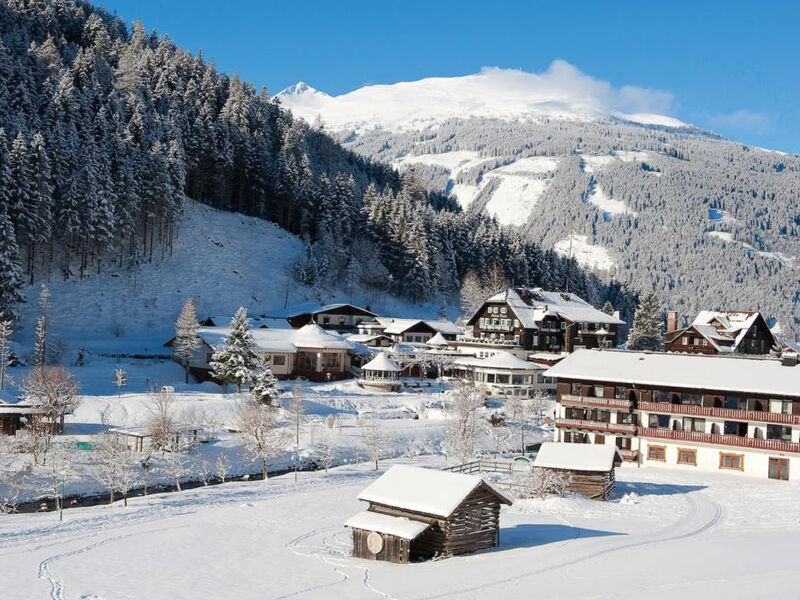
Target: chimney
[
  {"x": 672, "y": 321},
  {"x": 789, "y": 359}
]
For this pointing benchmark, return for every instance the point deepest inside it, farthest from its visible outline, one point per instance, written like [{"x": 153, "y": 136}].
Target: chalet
[
  {"x": 257, "y": 322},
  {"x": 524, "y": 320},
  {"x": 503, "y": 374},
  {"x": 720, "y": 332},
  {"x": 410, "y": 330},
  {"x": 344, "y": 318},
  {"x": 16, "y": 413},
  {"x": 737, "y": 414},
  {"x": 381, "y": 374},
  {"x": 590, "y": 467},
  {"x": 418, "y": 514},
  {"x": 371, "y": 340},
  {"x": 310, "y": 352}
]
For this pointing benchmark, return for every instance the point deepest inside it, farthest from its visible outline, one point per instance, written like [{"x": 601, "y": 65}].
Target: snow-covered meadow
[{"x": 667, "y": 534}]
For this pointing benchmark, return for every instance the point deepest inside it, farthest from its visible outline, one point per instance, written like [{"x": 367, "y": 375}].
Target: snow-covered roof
[
  {"x": 363, "y": 338},
  {"x": 397, "y": 326},
  {"x": 577, "y": 457},
  {"x": 506, "y": 360},
  {"x": 724, "y": 329},
  {"x": 8, "y": 397},
  {"x": 437, "y": 340},
  {"x": 382, "y": 362},
  {"x": 266, "y": 340},
  {"x": 427, "y": 491},
  {"x": 314, "y": 336},
  {"x": 667, "y": 369},
  {"x": 401, "y": 527},
  {"x": 531, "y": 305},
  {"x": 311, "y": 308}
]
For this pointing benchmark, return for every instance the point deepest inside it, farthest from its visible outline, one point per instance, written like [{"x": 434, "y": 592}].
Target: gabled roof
[
  {"x": 312, "y": 308},
  {"x": 401, "y": 527},
  {"x": 738, "y": 373},
  {"x": 437, "y": 340},
  {"x": 266, "y": 340},
  {"x": 577, "y": 457},
  {"x": 382, "y": 362},
  {"x": 724, "y": 329},
  {"x": 531, "y": 305},
  {"x": 426, "y": 491},
  {"x": 397, "y": 326}
]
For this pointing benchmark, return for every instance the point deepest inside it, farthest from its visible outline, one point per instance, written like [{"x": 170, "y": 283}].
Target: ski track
[{"x": 693, "y": 514}]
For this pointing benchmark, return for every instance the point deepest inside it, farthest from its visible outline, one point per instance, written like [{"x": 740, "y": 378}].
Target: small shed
[
  {"x": 381, "y": 373},
  {"x": 590, "y": 466},
  {"x": 418, "y": 514}
]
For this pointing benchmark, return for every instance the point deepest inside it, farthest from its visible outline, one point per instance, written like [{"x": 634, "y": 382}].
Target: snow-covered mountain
[
  {"x": 561, "y": 92},
  {"x": 598, "y": 172}
]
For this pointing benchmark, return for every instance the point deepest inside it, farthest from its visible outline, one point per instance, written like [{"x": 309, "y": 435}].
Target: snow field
[{"x": 587, "y": 254}]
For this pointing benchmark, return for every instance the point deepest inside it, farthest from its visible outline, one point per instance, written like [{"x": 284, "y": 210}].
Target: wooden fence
[{"x": 505, "y": 467}]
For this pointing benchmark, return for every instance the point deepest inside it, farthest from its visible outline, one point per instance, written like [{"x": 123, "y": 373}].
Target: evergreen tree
[
  {"x": 646, "y": 332},
  {"x": 10, "y": 271},
  {"x": 607, "y": 308},
  {"x": 236, "y": 359},
  {"x": 263, "y": 384},
  {"x": 187, "y": 342}
]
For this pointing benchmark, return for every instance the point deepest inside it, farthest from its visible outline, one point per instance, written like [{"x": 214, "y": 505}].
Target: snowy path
[{"x": 679, "y": 535}]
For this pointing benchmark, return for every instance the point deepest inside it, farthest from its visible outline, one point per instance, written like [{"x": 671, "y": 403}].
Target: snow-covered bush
[{"x": 543, "y": 482}]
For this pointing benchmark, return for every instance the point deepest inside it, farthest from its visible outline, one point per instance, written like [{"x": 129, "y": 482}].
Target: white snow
[
  {"x": 595, "y": 162},
  {"x": 398, "y": 526},
  {"x": 587, "y": 255},
  {"x": 428, "y": 491},
  {"x": 676, "y": 370},
  {"x": 722, "y": 235},
  {"x": 514, "y": 199},
  {"x": 598, "y": 197},
  {"x": 577, "y": 457},
  {"x": 561, "y": 92},
  {"x": 532, "y": 164},
  {"x": 382, "y": 362}
]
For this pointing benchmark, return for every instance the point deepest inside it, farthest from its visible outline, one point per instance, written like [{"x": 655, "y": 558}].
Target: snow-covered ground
[
  {"x": 608, "y": 205},
  {"x": 667, "y": 534},
  {"x": 587, "y": 254}
]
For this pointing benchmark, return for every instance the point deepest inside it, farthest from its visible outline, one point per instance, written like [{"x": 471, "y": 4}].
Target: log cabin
[
  {"x": 720, "y": 332},
  {"x": 589, "y": 467},
  {"x": 737, "y": 414},
  {"x": 418, "y": 514}
]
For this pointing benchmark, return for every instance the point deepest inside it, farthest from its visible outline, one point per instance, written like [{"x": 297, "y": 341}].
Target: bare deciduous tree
[
  {"x": 461, "y": 407},
  {"x": 325, "y": 453},
  {"x": 542, "y": 482},
  {"x": 223, "y": 466},
  {"x": 259, "y": 431},
  {"x": 375, "y": 442},
  {"x": 58, "y": 474}
]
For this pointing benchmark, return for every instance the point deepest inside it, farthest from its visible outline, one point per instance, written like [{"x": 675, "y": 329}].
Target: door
[{"x": 779, "y": 468}]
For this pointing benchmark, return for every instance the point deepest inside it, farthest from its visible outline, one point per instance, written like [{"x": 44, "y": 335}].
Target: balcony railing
[
  {"x": 719, "y": 439},
  {"x": 570, "y": 399},
  {"x": 721, "y": 413},
  {"x": 628, "y": 454},
  {"x": 602, "y": 426}
]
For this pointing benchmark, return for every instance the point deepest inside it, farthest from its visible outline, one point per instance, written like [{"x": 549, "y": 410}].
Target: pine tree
[
  {"x": 236, "y": 359},
  {"x": 40, "y": 346},
  {"x": 264, "y": 385},
  {"x": 187, "y": 342},
  {"x": 646, "y": 332},
  {"x": 608, "y": 308},
  {"x": 10, "y": 271}
]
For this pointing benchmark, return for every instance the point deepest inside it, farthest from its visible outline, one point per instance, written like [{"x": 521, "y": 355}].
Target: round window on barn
[{"x": 374, "y": 542}]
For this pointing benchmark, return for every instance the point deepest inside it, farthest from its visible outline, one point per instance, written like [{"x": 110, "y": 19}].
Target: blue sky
[{"x": 729, "y": 66}]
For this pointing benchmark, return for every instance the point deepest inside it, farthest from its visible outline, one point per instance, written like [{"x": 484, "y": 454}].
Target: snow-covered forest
[{"x": 105, "y": 131}]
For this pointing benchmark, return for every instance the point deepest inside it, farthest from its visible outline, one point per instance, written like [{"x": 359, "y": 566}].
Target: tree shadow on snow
[
  {"x": 643, "y": 488},
  {"x": 83, "y": 428},
  {"x": 529, "y": 535}
]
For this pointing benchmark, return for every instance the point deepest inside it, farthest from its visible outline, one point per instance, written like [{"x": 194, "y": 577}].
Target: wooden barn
[
  {"x": 418, "y": 514},
  {"x": 590, "y": 466}
]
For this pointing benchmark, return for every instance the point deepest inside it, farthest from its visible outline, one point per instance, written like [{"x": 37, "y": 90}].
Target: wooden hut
[
  {"x": 590, "y": 466},
  {"x": 417, "y": 514}
]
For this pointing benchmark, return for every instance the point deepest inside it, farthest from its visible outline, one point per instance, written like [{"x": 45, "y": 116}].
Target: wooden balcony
[
  {"x": 571, "y": 400},
  {"x": 720, "y": 413},
  {"x": 599, "y": 426},
  {"x": 629, "y": 455},
  {"x": 718, "y": 439}
]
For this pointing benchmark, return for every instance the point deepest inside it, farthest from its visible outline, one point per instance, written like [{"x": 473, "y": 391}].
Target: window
[
  {"x": 731, "y": 461},
  {"x": 779, "y": 432},
  {"x": 660, "y": 396},
  {"x": 695, "y": 399},
  {"x": 686, "y": 340},
  {"x": 306, "y": 360},
  {"x": 705, "y": 342},
  {"x": 490, "y": 378},
  {"x": 624, "y": 443},
  {"x": 619, "y": 392},
  {"x": 659, "y": 421},
  {"x": 780, "y": 406},
  {"x": 504, "y": 310},
  {"x": 563, "y": 325},
  {"x": 626, "y": 418},
  {"x": 341, "y": 320},
  {"x": 779, "y": 468},
  {"x": 501, "y": 378},
  {"x": 658, "y": 453},
  {"x": 599, "y": 439},
  {"x": 278, "y": 359},
  {"x": 518, "y": 379},
  {"x": 326, "y": 320},
  {"x": 330, "y": 360},
  {"x": 516, "y": 322},
  {"x": 735, "y": 403},
  {"x": 597, "y": 391},
  {"x": 575, "y": 389},
  {"x": 737, "y": 428},
  {"x": 692, "y": 424},
  {"x": 687, "y": 456}
]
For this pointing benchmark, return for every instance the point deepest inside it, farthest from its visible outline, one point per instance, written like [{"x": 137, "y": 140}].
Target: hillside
[
  {"x": 645, "y": 199},
  {"x": 107, "y": 130}
]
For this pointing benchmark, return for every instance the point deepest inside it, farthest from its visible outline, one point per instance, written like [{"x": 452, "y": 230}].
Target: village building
[
  {"x": 257, "y": 322},
  {"x": 503, "y": 375},
  {"x": 16, "y": 413},
  {"x": 340, "y": 317},
  {"x": 417, "y": 514},
  {"x": 720, "y": 332},
  {"x": 589, "y": 468},
  {"x": 381, "y": 374},
  {"x": 531, "y": 320},
  {"x": 736, "y": 414},
  {"x": 311, "y": 352},
  {"x": 410, "y": 330},
  {"x": 371, "y": 340}
]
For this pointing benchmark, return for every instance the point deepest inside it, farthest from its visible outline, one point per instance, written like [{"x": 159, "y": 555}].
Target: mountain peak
[{"x": 301, "y": 88}]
